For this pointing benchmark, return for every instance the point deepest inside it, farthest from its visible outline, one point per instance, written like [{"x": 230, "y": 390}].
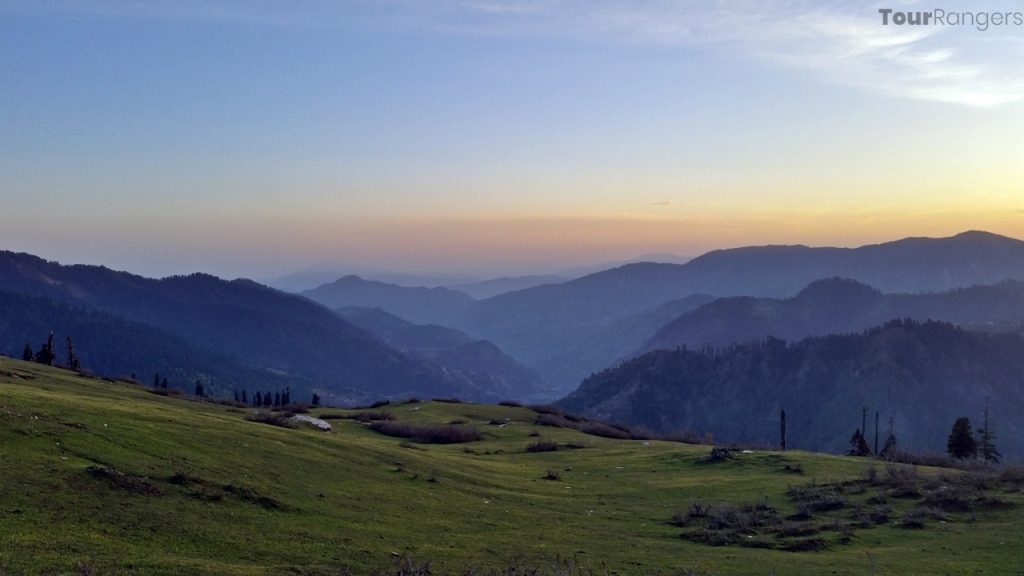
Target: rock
[{"x": 305, "y": 418}]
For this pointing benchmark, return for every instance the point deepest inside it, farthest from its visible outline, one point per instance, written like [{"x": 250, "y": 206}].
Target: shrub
[
  {"x": 448, "y": 400},
  {"x": 682, "y": 437},
  {"x": 716, "y": 455},
  {"x": 604, "y": 430},
  {"x": 427, "y": 433},
  {"x": 542, "y": 446},
  {"x": 794, "y": 468},
  {"x": 272, "y": 419},
  {"x": 546, "y": 409},
  {"x": 368, "y": 416},
  {"x": 510, "y": 403},
  {"x": 553, "y": 420},
  {"x": 122, "y": 481},
  {"x": 952, "y": 498},
  {"x": 380, "y": 403},
  {"x": 811, "y": 498}
]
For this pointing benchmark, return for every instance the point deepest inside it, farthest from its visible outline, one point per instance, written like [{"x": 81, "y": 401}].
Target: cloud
[{"x": 842, "y": 42}]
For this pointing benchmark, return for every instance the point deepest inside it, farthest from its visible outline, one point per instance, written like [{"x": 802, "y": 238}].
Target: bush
[
  {"x": 546, "y": 409},
  {"x": 811, "y": 498},
  {"x": 542, "y": 446},
  {"x": 510, "y": 404},
  {"x": 272, "y": 419},
  {"x": 716, "y": 455},
  {"x": 380, "y": 403},
  {"x": 448, "y": 400},
  {"x": 553, "y": 420},
  {"x": 604, "y": 430},
  {"x": 368, "y": 416},
  {"x": 427, "y": 433}
]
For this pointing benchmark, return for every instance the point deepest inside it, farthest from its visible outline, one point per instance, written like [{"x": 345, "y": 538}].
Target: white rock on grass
[{"x": 321, "y": 424}]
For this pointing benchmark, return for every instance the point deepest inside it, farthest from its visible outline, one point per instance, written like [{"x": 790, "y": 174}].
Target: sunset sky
[{"x": 494, "y": 136}]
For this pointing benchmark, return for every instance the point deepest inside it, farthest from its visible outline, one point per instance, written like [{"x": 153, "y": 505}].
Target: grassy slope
[{"x": 346, "y": 500}]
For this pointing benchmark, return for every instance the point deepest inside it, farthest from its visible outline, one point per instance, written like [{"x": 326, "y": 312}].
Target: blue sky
[{"x": 494, "y": 136}]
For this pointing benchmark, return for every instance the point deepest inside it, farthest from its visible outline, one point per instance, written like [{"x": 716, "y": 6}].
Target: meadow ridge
[{"x": 105, "y": 477}]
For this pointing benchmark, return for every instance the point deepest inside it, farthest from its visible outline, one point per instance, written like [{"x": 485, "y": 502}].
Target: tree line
[{"x": 963, "y": 443}]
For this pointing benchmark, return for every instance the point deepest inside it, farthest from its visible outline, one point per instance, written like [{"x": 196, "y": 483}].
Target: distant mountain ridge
[
  {"x": 496, "y": 375},
  {"x": 109, "y": 345},
  {"x": 836, "y": 306},
  {"x": 564, "y": 330},
  {"x": 258, "y": 326},
  {"x": 924, "y": 375},
  {"x": 535, "y": 324},
  {"x": 418, "y": 305}
]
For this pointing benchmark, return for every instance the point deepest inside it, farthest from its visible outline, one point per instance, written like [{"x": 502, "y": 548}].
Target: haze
[{"x": 492, "y": 137}]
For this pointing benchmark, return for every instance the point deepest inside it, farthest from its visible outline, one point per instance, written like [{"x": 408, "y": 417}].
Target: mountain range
[
  {"x": 254, "y": 325},
  {"x": 496, "y": 374},
  {"x": 566, "y": 331},
  {"x": 922, "y": 375},
  {"x": 836, "y": 306}
]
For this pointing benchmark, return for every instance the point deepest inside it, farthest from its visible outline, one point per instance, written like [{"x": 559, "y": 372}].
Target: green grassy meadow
[{"x": 206, "y": 492}]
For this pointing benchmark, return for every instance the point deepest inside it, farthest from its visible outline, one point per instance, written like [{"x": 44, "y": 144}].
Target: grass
[{"x": 103, "y": 477}]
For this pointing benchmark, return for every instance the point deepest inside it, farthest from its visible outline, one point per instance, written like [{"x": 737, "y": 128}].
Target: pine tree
[
  {"x": 237, "y": 397},
  {"x": 316, "y": 399},
  {"x": 258, "y": 400},
  {"x": 858, "y": 445},
  {"x": 27, "y": 355},
  {"x": 277, "y": 399},
  {"x": 46, "y": 354},
  {"x": 200, "y": 391},
  {"x": 245, "y": 400},
  {"x": 73, "y": 362},
  {"x": 163, "y": 383},
  {"x": 876, "y": 431},
  {"x": 782, "y": 429},
  {"x": 961, "y": 443},
  {"x": 987, "y": 439},
  {"x": 890, "y": 443},
  {"x": 156, "y": 381}
]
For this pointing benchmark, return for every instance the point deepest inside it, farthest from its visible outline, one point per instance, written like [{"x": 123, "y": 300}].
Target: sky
[{"x": 256, "y": 138}]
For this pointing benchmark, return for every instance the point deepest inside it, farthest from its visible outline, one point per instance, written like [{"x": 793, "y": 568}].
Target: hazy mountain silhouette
[
  {"x": 108, "y": 345},
  {"x": 488, "y": 288},
  {"x": 418, "y": 305},
  {"x": 479, "y": 362},
  {"x": 256, "y": 325},
  {"x": 924, "y": 375},
  {"x": 538, "y": 325},
  {"x": 836, "y": 306}
]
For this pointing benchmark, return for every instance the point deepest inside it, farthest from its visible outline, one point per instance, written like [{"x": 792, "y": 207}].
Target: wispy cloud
[{"x": 839, "y": 41}]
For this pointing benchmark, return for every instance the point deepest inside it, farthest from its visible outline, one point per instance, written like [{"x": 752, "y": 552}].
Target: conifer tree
[
  {"x": 27, "y": 355},
  {"x": 46, "y": 354},
  {"x": 277, "y": 399},
  {"x": 200, "y": 391},
  {"x": 889, "y": 448},
  {"x": 258, "y": 400},
  {"x": 316, "y": 399},
  {"x": 782, "y": 429},
  {"x": 987, "y": 439},
  {"x": 961, "y": 443},
  {"x": 73, "y": 362},
  {"x": 245, "y": 400},
  {"x": 858, "y": 445},
  {"x": 163, "y": 383}
]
